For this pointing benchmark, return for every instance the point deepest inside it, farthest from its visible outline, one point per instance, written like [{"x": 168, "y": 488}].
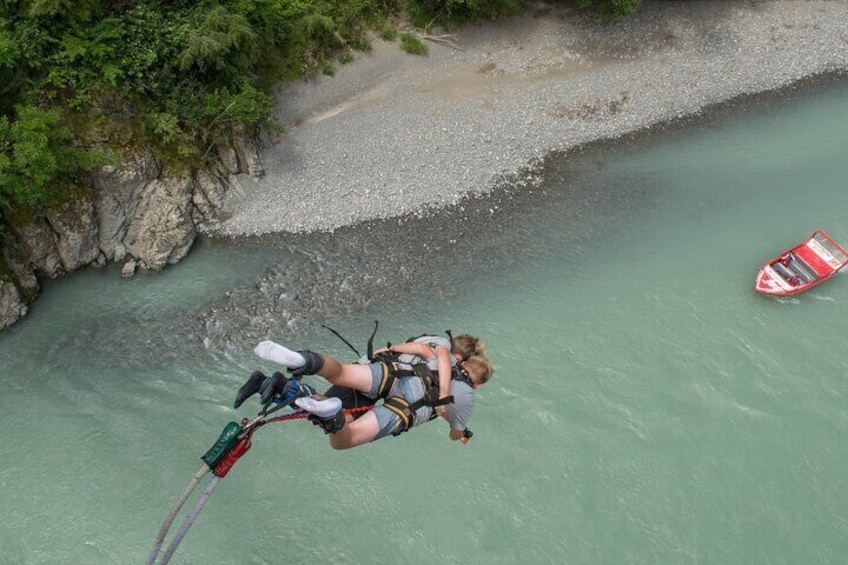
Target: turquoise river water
[{"x": 647, "y": 407}]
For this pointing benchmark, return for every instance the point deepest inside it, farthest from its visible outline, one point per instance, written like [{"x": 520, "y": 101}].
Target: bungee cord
[
  {"x": 233, "y": 442},
  {"x": 166, "y": 525},
  {"x": 189, "y": 519}
]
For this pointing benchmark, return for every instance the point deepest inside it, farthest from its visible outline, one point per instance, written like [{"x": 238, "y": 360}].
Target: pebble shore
[{"x": 393, "y": 134}]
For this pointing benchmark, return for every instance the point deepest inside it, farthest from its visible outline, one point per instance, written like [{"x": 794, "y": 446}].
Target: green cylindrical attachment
[{"x": 225, "y": 443}]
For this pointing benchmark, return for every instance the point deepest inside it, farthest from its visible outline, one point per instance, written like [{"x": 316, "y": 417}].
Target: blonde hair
[
  {"x": 480, "y": 369},
  {"x": 467, "y": 346}
]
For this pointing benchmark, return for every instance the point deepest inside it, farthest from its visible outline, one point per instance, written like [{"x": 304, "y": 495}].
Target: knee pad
[
  {"x": 313, "y": 364},
  {"x": 330, "y": 425}
]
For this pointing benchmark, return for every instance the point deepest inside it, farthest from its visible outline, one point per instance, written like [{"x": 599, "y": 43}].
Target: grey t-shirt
[
  {"x": 463, "y": 405},
  {"x": 432, "y": 341},
  {"x": 460, "y": 411}
]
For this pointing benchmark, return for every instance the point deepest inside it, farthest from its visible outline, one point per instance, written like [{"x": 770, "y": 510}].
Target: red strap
[{"x": 230, "y": 458}]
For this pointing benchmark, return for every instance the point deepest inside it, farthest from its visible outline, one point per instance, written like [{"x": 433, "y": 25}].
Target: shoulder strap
[
  {"x": 450, "y": 338},
  {"x": 460, "y": 373},
  {"x": 371, "y": 342},
  {"x": 338, "y": 335}
]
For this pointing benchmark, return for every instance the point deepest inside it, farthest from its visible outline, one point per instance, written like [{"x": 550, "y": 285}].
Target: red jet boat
[{"x": 806, "y": 265}]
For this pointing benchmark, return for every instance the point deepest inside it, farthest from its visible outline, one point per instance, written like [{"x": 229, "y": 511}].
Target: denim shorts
[{"x": 408, "y": 388}]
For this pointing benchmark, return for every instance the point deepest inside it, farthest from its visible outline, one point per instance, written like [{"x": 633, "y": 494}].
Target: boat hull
[{"x": 800, "y": 268}]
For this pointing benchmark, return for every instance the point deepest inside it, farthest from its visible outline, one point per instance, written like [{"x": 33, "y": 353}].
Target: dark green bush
[
  {"x": 411, "y": 43},
  {"x": 608, "y": 9},
  {"x": 447, "y": 12},
  {"x": 39, "y": 163}
]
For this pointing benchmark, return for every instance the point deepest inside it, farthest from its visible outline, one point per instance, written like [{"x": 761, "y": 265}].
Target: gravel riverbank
[{"x": 392, "y": 134}]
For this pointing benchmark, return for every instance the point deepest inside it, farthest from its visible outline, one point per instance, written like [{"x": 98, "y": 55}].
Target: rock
[
  {"x": 208, "y": 197},
  {"x": 128, "y": 270},
  {"x": 39, "y": 249},
  {"x": 119, "y": 191},
  {"x": 137, "y": 217},
  {"x": 15, "y": 255},
  {"x": 12, "y": 306},
  {"x": 229, "y": 159},
  {"x": 76, "y": 234},
  {"x": 247, "y": 151},
  {"x": 161, "y": 230}
]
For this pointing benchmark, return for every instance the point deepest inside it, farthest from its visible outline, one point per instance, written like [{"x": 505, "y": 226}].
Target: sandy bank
[{"x": 393, "y": 134}]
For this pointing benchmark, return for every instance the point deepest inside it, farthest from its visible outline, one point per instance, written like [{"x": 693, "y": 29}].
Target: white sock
[
  {"x": 276, "y": 353},
  {"x": 321, "y": 408}
]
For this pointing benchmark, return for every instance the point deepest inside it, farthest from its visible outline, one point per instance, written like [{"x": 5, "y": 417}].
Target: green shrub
[
  {"x": 446, "y": 12},
  {"x": 223, "y": 42},
  {"x": 388, "y": 33},
  {"x": 39, "y": 164},
  {"x": 410, "y": 43},
  {"x": 319, "y": 28},
  {"x": 608, "y": 9}
]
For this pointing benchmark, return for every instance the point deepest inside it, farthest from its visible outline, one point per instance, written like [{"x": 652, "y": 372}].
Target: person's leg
[
  {"x": 276, "y": 353},
  {"x": 345, "y": 430},
  {"x": 356, "y": 432},
  {"x": 351, "y": 398},
  {"x": 350, "y": 375}
]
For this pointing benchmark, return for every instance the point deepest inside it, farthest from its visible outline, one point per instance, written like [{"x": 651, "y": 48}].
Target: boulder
[
  {"x": 12, "y": 306},
  {"x": 229, "y": 158},
  {"x": 38, "y": 247},
  {"x": 17, "y": 265},
  {"x": 208, "y": 197},
  {"x": 247, "y": 151},
  {"x": 119, "y": 190},
  {"x": 76, "y": 231},
  {"x": 161, "y": 230},
  {"x": 128, "y": 270}
]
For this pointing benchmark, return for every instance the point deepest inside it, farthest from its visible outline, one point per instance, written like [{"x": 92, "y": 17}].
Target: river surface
[{"x": 647, "y": 406}]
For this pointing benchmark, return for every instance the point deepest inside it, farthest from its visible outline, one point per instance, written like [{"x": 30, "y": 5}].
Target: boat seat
[
  {"x": 804, "y": 270},
  {"x": 782, "y": 271},
  {"x": 796, "y": 268}
]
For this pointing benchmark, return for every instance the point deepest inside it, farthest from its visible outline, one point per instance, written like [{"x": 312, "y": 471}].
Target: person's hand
[{"x": 441, "y": 410}]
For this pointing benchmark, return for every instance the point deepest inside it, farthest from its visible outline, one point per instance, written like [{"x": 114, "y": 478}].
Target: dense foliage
[
  {"x": 173, "y": 75},
  {"x": 610, "y": 8}
]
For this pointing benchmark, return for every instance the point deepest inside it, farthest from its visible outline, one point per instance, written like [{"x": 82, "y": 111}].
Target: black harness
[
  {"x": 404, "y": 409},
  {"x": 392, "y": 370}
]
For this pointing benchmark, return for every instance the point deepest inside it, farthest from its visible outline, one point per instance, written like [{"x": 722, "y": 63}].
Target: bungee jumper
[{"x": 419, "y": 380}]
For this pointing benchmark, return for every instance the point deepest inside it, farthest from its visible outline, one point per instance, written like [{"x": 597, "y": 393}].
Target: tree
[
  {"x": 222, "y": 42},
  {"x": 38, "y": 162},
  {"x": 69, "y": 9}
]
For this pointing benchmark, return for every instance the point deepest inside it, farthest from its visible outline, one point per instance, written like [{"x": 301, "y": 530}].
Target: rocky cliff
[{"x": 136, "y": 215}]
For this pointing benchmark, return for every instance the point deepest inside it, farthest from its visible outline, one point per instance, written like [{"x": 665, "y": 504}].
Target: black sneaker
[
  {"x": 272, "y": 388},
  {"x": 251, "y": 387}
]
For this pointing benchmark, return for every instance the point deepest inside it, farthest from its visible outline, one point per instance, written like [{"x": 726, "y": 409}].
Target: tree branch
[{"x": 445, "y": 39}]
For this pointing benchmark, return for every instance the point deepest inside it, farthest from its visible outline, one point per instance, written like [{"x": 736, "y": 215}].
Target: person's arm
[
  {"x": 444, "y": 367},
  {"x": 443, "y": 364},
  {"x": 412, "y": 348}
]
